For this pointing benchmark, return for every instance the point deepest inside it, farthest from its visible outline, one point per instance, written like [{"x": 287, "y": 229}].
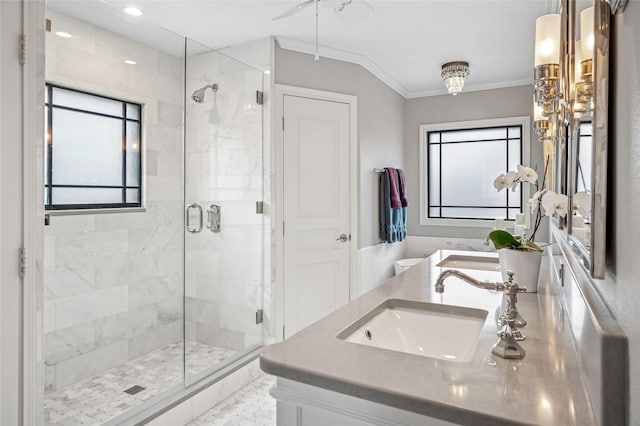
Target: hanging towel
[
  {"x": 393, "y": 221},
  {"x": 402, "y": 187},
  {"x": 394, "y": 188},
  {"x": 385, "y": 208}
]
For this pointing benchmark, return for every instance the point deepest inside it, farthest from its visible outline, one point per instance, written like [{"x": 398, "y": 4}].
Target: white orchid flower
[
  {"x": 534, "y": 201},
  {"x": 512, "y": 180},
  {"x": 500, "y": 183},
  {"x": 582, "y": 203},
  {"x": 555, "y": 203},
  {"x": 527, "y": 174}
]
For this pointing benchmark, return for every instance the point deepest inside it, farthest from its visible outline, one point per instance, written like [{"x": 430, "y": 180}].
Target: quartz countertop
[{"x": 544, "y": 388}]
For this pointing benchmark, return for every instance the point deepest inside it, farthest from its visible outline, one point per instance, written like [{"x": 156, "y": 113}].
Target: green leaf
[
  {"x": 502, "y": 239},
  {"x": 530, "y": 245}
]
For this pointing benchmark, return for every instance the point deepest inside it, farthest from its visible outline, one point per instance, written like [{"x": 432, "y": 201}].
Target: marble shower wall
[
  {"x": 113, "y": 281},
  {"x": 224, "y": 166}
]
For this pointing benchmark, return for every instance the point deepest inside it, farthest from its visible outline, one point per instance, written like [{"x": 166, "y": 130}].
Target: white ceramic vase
[{"x": 525, "y": 264}]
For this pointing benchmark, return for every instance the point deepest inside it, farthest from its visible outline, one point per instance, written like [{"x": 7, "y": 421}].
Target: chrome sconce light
[
  {"x": 583, "y": 75},
  {"x": 541, "y": 124},
  {"x": 546, "y": 71}
]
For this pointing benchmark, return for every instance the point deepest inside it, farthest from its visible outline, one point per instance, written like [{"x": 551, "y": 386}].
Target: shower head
[{"x": 198, "y": 95}]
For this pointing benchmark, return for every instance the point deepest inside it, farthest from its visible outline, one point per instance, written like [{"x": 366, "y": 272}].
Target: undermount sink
[
  {"x": 479, "y": 263},
  {"x": 419, "y": 328}
]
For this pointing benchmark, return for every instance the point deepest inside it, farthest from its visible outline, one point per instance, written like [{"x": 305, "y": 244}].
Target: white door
[{"x": 316, "y": 209}]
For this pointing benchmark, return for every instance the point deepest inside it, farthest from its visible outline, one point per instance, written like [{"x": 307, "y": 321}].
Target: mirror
[{"x": 587, "y": 165}]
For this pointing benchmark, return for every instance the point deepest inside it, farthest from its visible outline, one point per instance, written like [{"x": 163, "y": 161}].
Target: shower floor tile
[
  {"x": 250, "y": 406},
  {"x": 100, "y": 398}
]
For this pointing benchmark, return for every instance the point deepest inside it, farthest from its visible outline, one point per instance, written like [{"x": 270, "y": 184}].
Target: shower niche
[{"x": 138, "y": 306}]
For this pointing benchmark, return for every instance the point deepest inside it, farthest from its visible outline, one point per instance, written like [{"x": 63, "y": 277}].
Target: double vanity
[{"x": 406, "y": 354}]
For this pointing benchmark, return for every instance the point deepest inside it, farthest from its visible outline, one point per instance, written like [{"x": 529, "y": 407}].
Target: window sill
[
  {"x": 467, "y": 223},
  {"x": 95, "y": 211}
]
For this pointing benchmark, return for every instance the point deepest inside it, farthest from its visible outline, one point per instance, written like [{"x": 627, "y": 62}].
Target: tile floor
[
  {"x": 250, "y": 406},
  {"x": 97, "y": 399}
]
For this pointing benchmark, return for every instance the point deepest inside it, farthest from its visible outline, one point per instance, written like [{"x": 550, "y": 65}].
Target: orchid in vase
[{"x": 543, "y": 199}]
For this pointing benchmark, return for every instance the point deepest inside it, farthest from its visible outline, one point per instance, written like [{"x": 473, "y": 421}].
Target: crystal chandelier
[{"x": 453, "y": 74}]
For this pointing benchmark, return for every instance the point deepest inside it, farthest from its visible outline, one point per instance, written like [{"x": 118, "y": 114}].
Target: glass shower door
[{"x": 223, "y": 230}]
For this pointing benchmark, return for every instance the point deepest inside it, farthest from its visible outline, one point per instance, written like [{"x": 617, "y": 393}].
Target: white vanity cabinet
[{"x": 299, "y": 404}]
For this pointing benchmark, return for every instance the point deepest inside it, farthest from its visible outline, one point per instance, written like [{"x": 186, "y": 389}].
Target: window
[
  {"x": 459, "y": 163},
  {"x": 92, "y": 155}
]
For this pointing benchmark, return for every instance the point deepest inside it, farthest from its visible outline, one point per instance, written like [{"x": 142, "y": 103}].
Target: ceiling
[{"x": 404, "y": 43}]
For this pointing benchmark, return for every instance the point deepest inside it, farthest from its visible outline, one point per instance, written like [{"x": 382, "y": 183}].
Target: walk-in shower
[{"x": 137, "y": 306}]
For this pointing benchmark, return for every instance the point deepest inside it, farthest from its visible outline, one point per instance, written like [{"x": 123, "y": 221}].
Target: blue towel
[{"x": 393, "y": 222}]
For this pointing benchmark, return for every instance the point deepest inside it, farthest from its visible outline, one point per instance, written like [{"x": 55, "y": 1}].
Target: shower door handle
[
  {"x": 213, "y": 218},
  {"x": 200, "y": 225}
]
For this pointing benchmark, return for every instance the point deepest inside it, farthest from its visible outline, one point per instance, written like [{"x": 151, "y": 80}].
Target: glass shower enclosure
[
  {"x": 142, "y": 302},
  {"x": 223, "y": 224}
]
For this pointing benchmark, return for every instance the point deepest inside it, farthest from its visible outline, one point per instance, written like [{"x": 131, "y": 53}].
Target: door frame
[
  {"x": 27, "y": 215},
  {"x": 278, "y": 195}
]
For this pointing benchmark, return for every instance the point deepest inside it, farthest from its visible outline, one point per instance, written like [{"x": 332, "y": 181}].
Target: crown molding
[
  {"x": 346, "y": 56},
  {"x": 470, "y": 88}
]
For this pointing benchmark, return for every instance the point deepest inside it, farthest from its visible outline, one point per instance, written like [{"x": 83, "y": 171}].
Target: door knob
[{"x": 343, "y": 238}]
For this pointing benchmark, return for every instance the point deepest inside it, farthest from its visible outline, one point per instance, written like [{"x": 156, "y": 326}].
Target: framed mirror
[{"x": 588, "y": 135}]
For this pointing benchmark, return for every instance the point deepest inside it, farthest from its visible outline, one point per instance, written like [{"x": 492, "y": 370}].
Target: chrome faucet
[{"x": 507, "y": 345}]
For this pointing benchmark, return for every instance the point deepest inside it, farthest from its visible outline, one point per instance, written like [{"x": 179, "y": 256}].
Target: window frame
[
  {"x": 424, "y": 129},
  {"x": 48, "y": 178}
]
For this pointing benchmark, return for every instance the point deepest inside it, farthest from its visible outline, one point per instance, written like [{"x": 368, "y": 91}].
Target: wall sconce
[
  {"x": 584, "y": 63},
  {"x": 546, "y": 72},
  {"x": 541, "y": 124}
]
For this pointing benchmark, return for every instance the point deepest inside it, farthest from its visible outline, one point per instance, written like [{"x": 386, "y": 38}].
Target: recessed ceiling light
[
  {"x": 267, "y": 72},
  {"x": 130, "y": 62},
  {"x": 63, "y": 34},
  {"x": 133, "y": 11}
]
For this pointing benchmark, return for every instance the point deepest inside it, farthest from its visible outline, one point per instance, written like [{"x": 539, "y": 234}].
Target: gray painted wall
[
  {"x": 496, "y": 103},
  {"x": 380, "y": 121},
  {"x": 621, "y": 288}
]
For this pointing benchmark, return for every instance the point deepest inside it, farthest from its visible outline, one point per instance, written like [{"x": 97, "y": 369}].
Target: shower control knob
[{"x": 343, "y": 238}]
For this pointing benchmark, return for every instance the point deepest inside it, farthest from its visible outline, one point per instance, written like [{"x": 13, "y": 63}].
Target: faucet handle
[{"x": 511, "y": 285}]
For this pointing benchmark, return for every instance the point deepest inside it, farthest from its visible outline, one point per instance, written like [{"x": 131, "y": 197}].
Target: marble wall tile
[
  {"x": 70, "y": 225},
  {"x": 125, "y": 326},
  {"x": 151, "y": 291},
  {"x": 154, "y": 239},
  {"x": 69, "y": 343},
  {"x": 239, "y": 318},
  {"x": 169, "y": 114},
  {"x": 49, "y": 378},
  {"x": 90, "y": 306},
  {"x": 151, "y": 162},
  {"x": 202, "y": 311},
  {"x": 90, "y": 363},
  {"x": 66, "y": 281},
  {"x": 221, "y": 337},
  {"x": 154, "y": 338},
  {"x": 159, "y": 138},
  {"x": 170, "y": 310}
]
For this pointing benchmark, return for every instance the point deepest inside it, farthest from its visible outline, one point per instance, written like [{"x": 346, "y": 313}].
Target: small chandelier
[{"x": 453, "y": 74}]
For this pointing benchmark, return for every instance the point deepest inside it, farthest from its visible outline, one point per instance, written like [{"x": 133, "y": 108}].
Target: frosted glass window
[
  {"x": 86, "y": 102},
  {"x": 462, "y": 166},
  {"x": 133, "y": 154},
  {"x": 84, "y": 152},
  {"x": 92, "y": 158}
]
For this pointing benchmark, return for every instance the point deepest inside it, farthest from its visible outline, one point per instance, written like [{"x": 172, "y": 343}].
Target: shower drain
[{"x": 134, "y": 390}]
